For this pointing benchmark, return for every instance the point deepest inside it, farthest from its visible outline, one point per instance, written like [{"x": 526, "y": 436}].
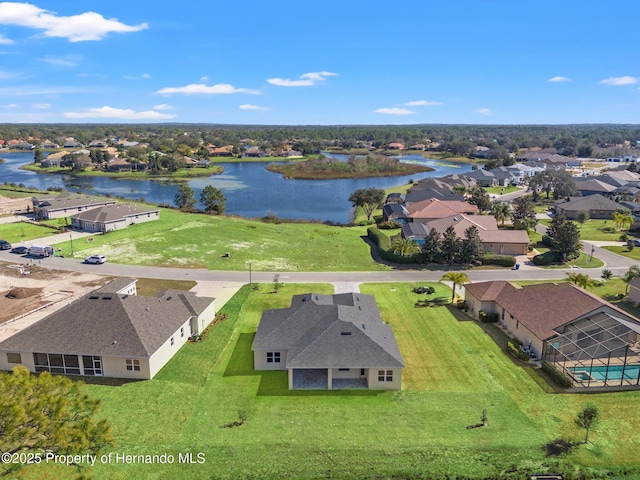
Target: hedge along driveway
[{"x": 198, "y": 240}]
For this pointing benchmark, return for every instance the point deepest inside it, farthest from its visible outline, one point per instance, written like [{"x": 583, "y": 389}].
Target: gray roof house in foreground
[
  {"x": 329, "y": 342},
  {"x": 110, "y": 332},
  {"x": 66, "y": 204},
  {"x": 114, "y": 217},
  {"x": 596, "y": 205}
]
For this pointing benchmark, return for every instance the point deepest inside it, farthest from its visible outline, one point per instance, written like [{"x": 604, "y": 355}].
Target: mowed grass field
[
  {"x": 200, "y": 241},
  {"x": 454, "y": 371}
]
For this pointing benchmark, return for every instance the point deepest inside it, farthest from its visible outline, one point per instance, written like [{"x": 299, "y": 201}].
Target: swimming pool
[{"x": 603, "y": 373}]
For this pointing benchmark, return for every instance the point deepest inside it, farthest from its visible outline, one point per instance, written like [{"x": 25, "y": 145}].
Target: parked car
[
  {"x": 4, "y": 245},
  {"x": 98, "y": 259},
  {"x": 21, "y": 250},
  {"x": 634, "y": 242}
]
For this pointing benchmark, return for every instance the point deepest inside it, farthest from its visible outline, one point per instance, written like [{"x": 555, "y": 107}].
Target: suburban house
[
  {"x": 504, "y": 176},
  {"x": 427, "y": 193},
  {"x": 329, "y": 342},
  {"x": 483, "y": 178},
  {"x": 113, "y": 217},
  {"x": 53, "y": 159},
  {"x": 597, "y": 206},
  {"x": 111, "y": 332},
  {"x": 396, "y": 146},
  {"x": 66, "y": 204},
  {"x": 507, "y": 242},
  {"x": 394, "y": 212},
  {"x": 594, "y": 186},
  {"x": 591, "y": 341},
  {"x": 434, "y": 208}
]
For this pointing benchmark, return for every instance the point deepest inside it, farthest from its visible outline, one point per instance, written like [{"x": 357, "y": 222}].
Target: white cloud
[
  {"x": 305, "y": 80},
  {"x": 248, "y": 106},
  {"x": 200, "y": 88},
  {"x": 484, "y": 111},
  {"x": 626, "y": 80},
  {"x": 422, "y": 103},
  {"x": 204, "y": 79},
  {"x": 10, "y": 105},
  {"x": 559, "y": 79},
  {"x": 75, "y": 28},
  {"x": 162, "y": 106},
  {"x": 5, "y": 41},
  {"x": 66, "y": 61},
  {"x": 126, "y": 114},
  {"x": 42, "y": 106},
  {"x": 144, "y": 76},
  {"x": 394, "y": 111}
]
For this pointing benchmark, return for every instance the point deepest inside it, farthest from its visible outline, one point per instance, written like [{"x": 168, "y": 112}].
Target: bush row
[
  {"x": 500, "y": 260},
  {"x": 556, "y": 375},
  {"x": 546, "y": 258},
  {"x": 514, "y": 348},
  {"x": 488, "y": 317},
  {"x": 384, "y": 248}
]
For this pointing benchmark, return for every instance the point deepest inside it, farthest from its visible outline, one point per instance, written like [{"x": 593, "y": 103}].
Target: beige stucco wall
[
  {"x": 161, "y": 356},
  {"x": 116, "y": 367},
  {"x": 506, "y": 248},
  {"x": 26, "y": 357},
  {"x": 66, "y": 212},
  {"x": 634, "y": 295},
  {"x": 374, "y": 384},
  {"x": 475, "y": 305},
  {"x": 519, "y": 331},
  {"x": 260, "y": 360},
  {"x": 351, "y": 373},
  {"x": 206, "y": 317}
]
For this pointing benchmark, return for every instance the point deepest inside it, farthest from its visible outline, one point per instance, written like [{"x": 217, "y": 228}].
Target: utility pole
[{"x": 71, "y": 239}]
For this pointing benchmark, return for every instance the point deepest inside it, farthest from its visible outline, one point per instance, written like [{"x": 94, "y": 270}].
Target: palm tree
[
  {"x": 405, "y": 247},
  {"x": 582, "y": 280},
  {"x": 633, "y": 272},
  {"x": 458, "y": 279},
  {"x": 500, "y": 211}
]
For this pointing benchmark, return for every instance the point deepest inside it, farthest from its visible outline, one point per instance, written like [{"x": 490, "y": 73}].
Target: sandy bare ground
[{"x": 36, "y": 287}]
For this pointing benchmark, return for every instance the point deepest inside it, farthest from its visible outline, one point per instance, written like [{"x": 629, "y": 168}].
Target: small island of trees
[{"x": 324, "y": 168}]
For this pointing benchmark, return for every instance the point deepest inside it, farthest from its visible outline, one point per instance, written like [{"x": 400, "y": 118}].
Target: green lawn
[
  {"x": 197, "y": 240},
  {"x": 624, "y": 251},
  {"x": 583, "y": 261},
  {"x": 501, "y": 190},
  {"x": 23, "y": 231},
  {"x": 599, "y": 230},
  {"x": 454, "y": 371}
]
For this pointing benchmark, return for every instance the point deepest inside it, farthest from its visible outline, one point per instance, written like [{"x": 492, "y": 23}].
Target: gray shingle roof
[
  {"x": 107, "y": 324},
  {"x": 330, "y": 331},
  {"x": 112, "y": 213}
]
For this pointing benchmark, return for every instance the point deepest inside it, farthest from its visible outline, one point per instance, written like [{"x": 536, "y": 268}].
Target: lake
[{"x": 250, "y": 189}]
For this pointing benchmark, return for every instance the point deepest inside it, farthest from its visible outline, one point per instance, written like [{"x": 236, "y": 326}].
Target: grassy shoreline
[{"x": 180, "y": 174}]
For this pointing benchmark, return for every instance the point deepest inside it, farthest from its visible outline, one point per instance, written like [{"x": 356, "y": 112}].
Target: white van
[{"x": 40, "y": 251}]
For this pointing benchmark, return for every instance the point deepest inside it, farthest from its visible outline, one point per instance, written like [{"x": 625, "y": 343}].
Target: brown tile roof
[
  {"x": 540, "y": 308},
  {"x": 488, "y": 291},
  {"x": 435, "y": 208},
  {"x": 461, "y": 222}
]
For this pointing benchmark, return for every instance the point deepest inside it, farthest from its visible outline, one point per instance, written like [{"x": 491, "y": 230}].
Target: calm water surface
[{"x": 250, "y": 189}]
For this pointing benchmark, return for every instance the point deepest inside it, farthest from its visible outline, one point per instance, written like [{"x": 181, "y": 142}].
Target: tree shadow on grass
[
  {"x": 432, "y": 302},
  {"x": 276, "y": 382}
]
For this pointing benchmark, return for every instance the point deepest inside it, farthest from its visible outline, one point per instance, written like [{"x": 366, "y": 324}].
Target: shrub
[
  {"x": 514, "y": 349},
  {"x": 384, "y": 248},
  {"x": 624, "y": 237},
  {"x": 547, "y": 241},
  {"x": 488, "y": 317},
  {"x": 500, "y": 260},
  {"x": 556, "y": 375},
  {"x": 389, "y": 225},
  {"x": 546, "y": 258},
  {"x": 426, "y": 290}
]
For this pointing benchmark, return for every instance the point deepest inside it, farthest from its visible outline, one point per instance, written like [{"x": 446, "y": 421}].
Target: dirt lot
[{"x": 30, "y": 287}]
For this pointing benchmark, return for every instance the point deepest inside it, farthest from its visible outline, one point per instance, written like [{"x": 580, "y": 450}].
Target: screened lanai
[{"x": 598, "y": 350}]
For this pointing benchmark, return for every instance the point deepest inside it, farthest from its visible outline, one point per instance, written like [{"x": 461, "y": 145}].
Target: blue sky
[{"x": 320, "y": 62}]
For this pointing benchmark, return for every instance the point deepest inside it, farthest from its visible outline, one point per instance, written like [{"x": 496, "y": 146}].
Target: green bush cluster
[
  {"x": 546, "y": 258},
  {"x": 547, "y": 241},
  {"x": 389, "y": 225},
  {"x": 556, "y": 375},
  {"x": 426, "y": 290},
  {"x": 514, "y": 347},
  {"x": 384, "y": 248},
  {"x": 500, "y": 260},
  {"x": 488, "y": 317}
]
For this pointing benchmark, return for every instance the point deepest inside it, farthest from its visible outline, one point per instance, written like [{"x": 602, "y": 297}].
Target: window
[
  {"x": 181, "y": 331},
  {"x": 57, "y": 363},
  {"x": 172, "y": 341},
  {"x": 362, "y": 372},
  {"x": 273, "y": 357},
  {"x": 92, "y": 365},
  {"x": 14, "y": 358},
  {"x": 385, "y": 375},
  {"x": 133, "y": 365},
  {"x": 343, "y": 369}
]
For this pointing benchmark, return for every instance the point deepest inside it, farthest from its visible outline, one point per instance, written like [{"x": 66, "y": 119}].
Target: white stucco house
[{"x": 111, "y": 332}]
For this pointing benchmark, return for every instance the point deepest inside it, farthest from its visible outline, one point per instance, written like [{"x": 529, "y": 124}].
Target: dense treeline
[{"x": 459, "y": 139}]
